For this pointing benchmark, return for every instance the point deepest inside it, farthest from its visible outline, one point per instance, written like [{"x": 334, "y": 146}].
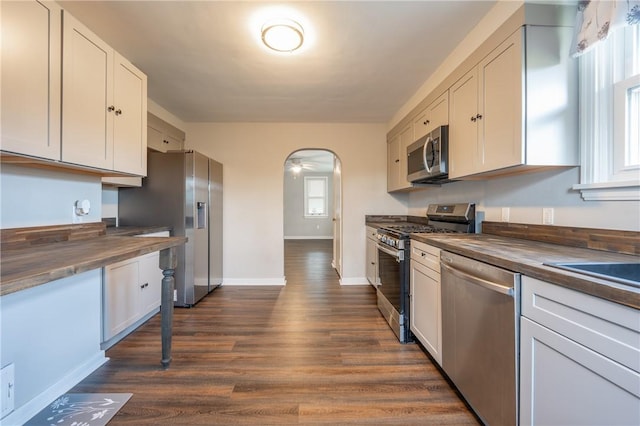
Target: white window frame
[
  {"x": 603, "y": 117},
  {"x": 324, "y": 197}
]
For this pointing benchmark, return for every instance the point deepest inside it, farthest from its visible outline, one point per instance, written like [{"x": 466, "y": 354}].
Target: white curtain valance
[{"x": 596, "y": 18}]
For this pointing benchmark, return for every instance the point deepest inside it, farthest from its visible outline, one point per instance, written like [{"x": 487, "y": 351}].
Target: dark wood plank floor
[{"x": 313, "y": 352}]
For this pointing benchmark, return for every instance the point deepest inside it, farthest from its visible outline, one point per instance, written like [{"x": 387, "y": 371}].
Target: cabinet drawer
[
  {"x": 605, "y": 327},
  {"x": 425, "y": 254}
]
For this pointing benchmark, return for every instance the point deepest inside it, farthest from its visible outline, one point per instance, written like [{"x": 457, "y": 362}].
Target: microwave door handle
[{"x": 424, "y": 154}]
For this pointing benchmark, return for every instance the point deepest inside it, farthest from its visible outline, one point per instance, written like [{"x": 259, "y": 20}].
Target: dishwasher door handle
[{"x": 478, "y": 281}]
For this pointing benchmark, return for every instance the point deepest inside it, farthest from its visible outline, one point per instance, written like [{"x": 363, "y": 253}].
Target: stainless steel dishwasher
[{"x": 480, "y": 335}]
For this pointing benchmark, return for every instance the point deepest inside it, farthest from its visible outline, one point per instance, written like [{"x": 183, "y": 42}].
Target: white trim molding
[
  {"x": 254, "y": 281},
  {"x": 609, "y": 191},
  {"x": 354, "y": 281},
  {"x": 310, "y": 237}
]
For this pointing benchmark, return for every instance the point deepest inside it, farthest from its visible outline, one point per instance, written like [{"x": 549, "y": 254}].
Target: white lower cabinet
[
  {"x": 372, "y": 256},
  {"x": 150, "y": 282},
  {"x": 579, "y": 358},
  {"x": 131, "y": 292},
  {"x": 121, "y": 297},
  {"x": 425, "y": 311}
]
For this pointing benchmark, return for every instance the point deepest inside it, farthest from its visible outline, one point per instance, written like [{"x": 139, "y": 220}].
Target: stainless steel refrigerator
[{"x": 184, "y": 190}]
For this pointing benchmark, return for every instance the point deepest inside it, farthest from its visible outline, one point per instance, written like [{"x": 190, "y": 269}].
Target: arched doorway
[{"x": 312, "y": 185}]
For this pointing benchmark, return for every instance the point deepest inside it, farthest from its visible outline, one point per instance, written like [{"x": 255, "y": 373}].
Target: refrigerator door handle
[{"x": 202, "y": 214}]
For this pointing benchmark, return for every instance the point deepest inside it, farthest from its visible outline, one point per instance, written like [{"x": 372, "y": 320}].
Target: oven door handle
[
  {"x": 398, "y": 254},
  {"x": 478, "y": 281}
]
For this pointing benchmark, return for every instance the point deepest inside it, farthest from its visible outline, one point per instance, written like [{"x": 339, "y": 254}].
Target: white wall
[
  {"x": 296, "y": 225},
  {"x": 33, "y": 197},
  {"x": 51, "y": 333},
  {"x": 253, "y": 155},
  {"x": 526, "y": 195}
]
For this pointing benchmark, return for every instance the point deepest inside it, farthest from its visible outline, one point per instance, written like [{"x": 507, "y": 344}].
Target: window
[
  {"x": 610, "y": 117},
  {"x": 315, "y": 196}
]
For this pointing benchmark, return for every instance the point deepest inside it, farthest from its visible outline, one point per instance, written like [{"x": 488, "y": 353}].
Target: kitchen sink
[{"x": 623, "y": 272}]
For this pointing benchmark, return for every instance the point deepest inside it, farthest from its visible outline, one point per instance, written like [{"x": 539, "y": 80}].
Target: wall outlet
[
  {"x": 505, "y": 214},
  {"x": 175, "y": 295},
  {"x": 547, "y": 216},
  {"x": 7, "y": 390}
]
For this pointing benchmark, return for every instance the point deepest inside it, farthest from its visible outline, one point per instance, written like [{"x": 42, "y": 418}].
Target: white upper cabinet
[
  {"x": 103, "y": 104},
  {"x": 486, "y": 105},
  {"x": 517, "y": 109},
  {"x": 67, "y": 96},
  {"x": 162, "y": 136},
  {"x": 436, "y": 114},
  {"x": 129, "y": 121},
  {"x": 87, "y": 97},
  {"x": 397, "y": 160},
  {"x": 31, "y": 49}
]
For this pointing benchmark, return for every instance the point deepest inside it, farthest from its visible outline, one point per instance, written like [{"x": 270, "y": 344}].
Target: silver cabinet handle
[{"x": 478, "y": 281}]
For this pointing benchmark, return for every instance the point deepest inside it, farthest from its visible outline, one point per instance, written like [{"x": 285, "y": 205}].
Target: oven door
[
  {"x": 389, "y": 269},
  {"x": 393, "y": 292}
]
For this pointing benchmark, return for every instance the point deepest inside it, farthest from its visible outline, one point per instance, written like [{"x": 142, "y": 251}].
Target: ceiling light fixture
[{"x": 282, "y": 35}]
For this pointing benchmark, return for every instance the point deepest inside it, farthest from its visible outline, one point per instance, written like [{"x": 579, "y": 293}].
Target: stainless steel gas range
[{"x": 394, "y": 253}]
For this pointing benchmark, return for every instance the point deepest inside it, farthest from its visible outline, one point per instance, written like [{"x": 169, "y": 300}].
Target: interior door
[{"x": 337, "y": 215}]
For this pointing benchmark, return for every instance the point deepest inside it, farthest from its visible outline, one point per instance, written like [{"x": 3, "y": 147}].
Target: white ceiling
[{"x": 205, "y": 63}]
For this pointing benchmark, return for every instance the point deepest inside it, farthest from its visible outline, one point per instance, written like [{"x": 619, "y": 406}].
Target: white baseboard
[
  {"x": 254, "y": 281},
  {"x": 354, "y": 281},
  {"x": 33, "y": 407},
  {"x": 313, "y": 237}
]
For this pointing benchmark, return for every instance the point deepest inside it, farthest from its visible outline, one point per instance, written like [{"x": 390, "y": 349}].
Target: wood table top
[{"x": 27, "y": 267}]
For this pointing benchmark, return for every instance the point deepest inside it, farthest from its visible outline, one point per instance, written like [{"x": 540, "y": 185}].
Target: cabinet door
[
  {"x": 434, "y": 115},
  {"x": 31, "y": 52},
  {"x": 463, "y": 130},
  {"x": 425, "y": 316},
  {"x": 439, "y": 112},
  {"x": 500, "y": 105},
  {"x": 393, "y": 163},
  {"x": 173, "y": 143},
  {"x": 87, "y": 95},
  {"x": 121, "y": 297},
  {"x": 130, "y": 118},
  {"x": 565, "y": 383},
  {"x": 372, "y": 262},
  {"x": 406, "y": 139},
  {"x": 150, "y": 283},
  {"x": 155, "y": 139}
]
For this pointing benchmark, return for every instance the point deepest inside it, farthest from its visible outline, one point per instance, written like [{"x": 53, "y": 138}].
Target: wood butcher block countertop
[
  {"x": 33, "y": 256},
  {"x": 528, "y": 257}
]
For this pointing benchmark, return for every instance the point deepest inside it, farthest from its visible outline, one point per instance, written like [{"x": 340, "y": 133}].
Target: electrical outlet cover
[
  {"x": 547, "y": 216},
  {"x": 505, "y": 214}
]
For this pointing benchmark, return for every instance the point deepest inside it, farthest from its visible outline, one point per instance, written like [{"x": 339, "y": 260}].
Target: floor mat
[{"x": 81, "y": 409}]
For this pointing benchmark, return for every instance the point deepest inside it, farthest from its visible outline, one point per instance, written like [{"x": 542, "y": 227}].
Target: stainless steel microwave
[{"x": 428, "y": 157}]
